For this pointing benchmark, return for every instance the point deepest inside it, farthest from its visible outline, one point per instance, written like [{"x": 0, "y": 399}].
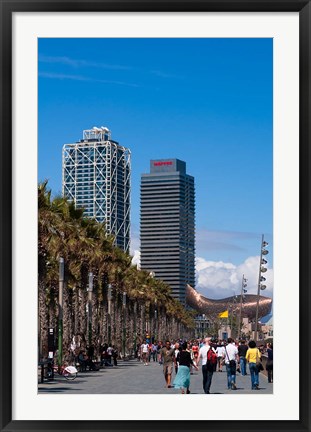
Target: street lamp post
[
  {"x": 231, "y": 311},
  {"x": 155, "y": 320},
  {"x": 60, "y": 311},
  {"x": 202, "y": 325},
  {"x": 261, "y": 278},
  {"x": 124, "y": 319},
  {"x": 151, "y": 327},
  {"x": 243, "y": 291},
  {"x": 109, "y": 312},
  {"x": 135, "y": 327},
  {"x": 89, "y": 309},
  {"x": 231, "y": 319}
]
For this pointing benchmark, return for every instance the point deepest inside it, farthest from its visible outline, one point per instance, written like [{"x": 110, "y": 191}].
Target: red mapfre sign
[{"x": 162, "y": 163}]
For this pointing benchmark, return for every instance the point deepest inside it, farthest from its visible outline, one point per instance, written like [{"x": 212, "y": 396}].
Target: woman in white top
[
  {"x": 145, "y": 353},
  {"x": 220, "y": 350}
]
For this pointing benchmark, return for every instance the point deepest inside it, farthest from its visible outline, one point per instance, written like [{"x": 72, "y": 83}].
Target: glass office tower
[
  {"x": 96, "y": 176},
  {"x": 167, "y": 233}
]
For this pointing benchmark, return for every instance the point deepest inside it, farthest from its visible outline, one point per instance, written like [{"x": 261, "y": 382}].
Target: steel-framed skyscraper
[
  {"x": 167, "y": 233},
  {"x": 96, "y": 176}
]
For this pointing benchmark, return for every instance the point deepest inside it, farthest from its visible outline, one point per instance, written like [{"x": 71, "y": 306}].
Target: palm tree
[{"x": 86, "y": 247}]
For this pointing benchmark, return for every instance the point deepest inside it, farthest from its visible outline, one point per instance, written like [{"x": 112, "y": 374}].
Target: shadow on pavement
[
  {"x": 125, "y": 365},
  {"x": 55, "y": 390}
]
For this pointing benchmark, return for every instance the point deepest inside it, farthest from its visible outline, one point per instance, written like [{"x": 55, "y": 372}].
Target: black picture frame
[{"x": 302, "y": 345}]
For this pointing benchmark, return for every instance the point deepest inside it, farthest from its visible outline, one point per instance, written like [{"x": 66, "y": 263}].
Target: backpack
[{"x": 211, "y": 356}]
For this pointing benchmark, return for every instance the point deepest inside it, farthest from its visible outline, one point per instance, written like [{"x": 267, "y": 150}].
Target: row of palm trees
[{"x": 85, "y": 246}]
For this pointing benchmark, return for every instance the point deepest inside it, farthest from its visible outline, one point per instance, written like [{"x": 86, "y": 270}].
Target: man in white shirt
[
  {"x": 231, "y": 357},
  {"x": 207, "y": 367}
]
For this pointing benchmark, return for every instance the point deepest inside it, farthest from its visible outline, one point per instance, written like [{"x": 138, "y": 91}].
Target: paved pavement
[{"x": 132, "y": 377}]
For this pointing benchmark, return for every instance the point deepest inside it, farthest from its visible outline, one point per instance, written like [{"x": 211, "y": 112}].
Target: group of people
[
  {"x": 85, "y": 359},
  {"x": 108, "y": 357},
  {"x": 148, "y": 351},
  {"x": 213, "y": 355}
]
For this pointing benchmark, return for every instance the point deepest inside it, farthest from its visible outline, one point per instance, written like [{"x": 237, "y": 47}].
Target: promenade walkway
[{"x": 132, "y": 377}]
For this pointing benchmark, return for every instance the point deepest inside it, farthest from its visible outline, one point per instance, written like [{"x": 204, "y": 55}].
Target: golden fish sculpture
[{"x": 212, "y": 307}]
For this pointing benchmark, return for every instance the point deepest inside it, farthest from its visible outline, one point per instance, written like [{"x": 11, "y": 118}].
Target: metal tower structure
[{"x": 96, "y": 176}]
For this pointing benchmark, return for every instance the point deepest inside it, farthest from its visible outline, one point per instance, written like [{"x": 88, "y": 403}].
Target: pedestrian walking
[
  {"x": 145, "y": 353},
  {"x": 195, "y": 352},
  {"x": 209, "y": 357},
  {"x": 182, "y": 379},
  {"x": 154, "y": 351},
  {"x": 159, "y": 347},
  {"x": 242, "y": 350},
  {"x": 269, "y": 365},
  {"x": 189, "y": 349},
  {"x": 253, "y": 357},
  {"x": 231, "y": 358},
  {"x": 168, "y": 357},
  {"x": 220, "y": 351},
  {"x": 214, "y": 344},
  {"x": 176, "y": 352}
]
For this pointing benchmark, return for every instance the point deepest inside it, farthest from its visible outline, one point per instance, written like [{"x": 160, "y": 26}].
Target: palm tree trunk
[
  {"x": 129, "y": 326},
  {"x": 113, "y": 323},
  {"x": 135, "y": 326},
  {"x": 76, "y": 309},
  {"x": 66, "y": 323},
  {"x": 138, "y": 322},
  {"x": 105, "y": 324},
  {"x": 82, "y": 317},
  {"x": 43, "y": 321},
  {"x": 143, "y": 323}
]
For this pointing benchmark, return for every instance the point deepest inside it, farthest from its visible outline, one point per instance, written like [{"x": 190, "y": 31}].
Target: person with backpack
[
  {"x": 209, "y": 359},
  {"x": 231, "y": 358}
]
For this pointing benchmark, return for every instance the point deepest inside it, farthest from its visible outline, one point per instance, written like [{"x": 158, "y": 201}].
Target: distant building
[
  {"x": 167, "y": 227},
  {"x": 267, "y": 328},
  {"x": 96, "y": 176}
]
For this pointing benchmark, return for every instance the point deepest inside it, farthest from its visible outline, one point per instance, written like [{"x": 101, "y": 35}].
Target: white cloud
[
  {"x": 81, "y": 63},
  {"x": 83, "y": 78},
  {"x": 136, "y": 258},
  {"x": 218, "y": 279},
  {"x": 134, "y": 246}
]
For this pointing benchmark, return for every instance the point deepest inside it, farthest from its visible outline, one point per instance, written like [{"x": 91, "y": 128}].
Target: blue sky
[{"x": 205, "y": 101}]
